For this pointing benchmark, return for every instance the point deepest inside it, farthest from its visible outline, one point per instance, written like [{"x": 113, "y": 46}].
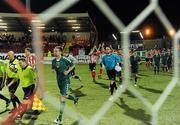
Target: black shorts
[
  {"x": 164, "y": 64},
  {"x": 92, "y": 66},
  {"x": 14, "y": 86},
  {"x": 151, "y": 60},
  {"x": 134, "y": 70},
  {"x": 119, "y": 73},
  {"x": 1, "y": 82},
  {"x": 169, "y": 65},
  {"x": 111, "y": 74},
  {"x": 28, "y": 91},
  {"x": 147, "y": 59}
]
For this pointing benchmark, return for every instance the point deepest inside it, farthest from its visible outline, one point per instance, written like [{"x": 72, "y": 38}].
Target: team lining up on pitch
[{"x": 23, "y": 72}]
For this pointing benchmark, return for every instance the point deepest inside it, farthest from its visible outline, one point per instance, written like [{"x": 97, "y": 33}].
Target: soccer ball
[
  {"x": 118, "y": 68},
  {"x": 13, "y": 67}
]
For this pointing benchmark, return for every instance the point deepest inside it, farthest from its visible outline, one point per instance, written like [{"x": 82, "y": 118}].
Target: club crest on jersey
[{"x": 13, "y": 67}]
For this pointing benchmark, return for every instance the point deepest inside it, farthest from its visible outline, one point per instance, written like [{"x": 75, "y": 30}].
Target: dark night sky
[{"x": 127, "y": 10}]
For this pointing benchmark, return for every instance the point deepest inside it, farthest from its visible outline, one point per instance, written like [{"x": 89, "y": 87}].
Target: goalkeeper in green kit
[{"x": 62, "y": 66}]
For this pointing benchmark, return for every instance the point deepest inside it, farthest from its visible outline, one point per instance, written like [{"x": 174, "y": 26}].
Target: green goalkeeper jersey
[
  {"x": 60, "y": 66},
  {"x": 27, "y": 76}
]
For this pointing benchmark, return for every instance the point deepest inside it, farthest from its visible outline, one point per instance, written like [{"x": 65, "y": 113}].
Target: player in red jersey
[
  {"x": 92, "y": 63},
  {"x": 30, "y": 58},
  {"x": 100, "y": 54}
]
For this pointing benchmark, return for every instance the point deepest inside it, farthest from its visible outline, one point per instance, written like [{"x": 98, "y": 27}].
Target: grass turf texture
[{"x": 126, "y": 111}]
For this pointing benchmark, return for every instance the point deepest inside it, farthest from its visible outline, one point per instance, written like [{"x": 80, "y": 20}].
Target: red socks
[
  {"x": 93, "y": 74},
  {"x": 100, "y": 71}
]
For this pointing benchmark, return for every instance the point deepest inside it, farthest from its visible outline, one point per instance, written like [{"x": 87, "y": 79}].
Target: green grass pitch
[{"x": 126, "y": 111}]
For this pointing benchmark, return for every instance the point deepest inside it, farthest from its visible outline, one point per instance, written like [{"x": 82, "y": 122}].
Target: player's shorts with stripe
[
  {"x": 92, "y": 66},
  {"x": 101, "y": 65},
  {"x": 147, "y": 59},
  {"x": 14, "y": 86},
  {"x": 28, "y": 91},
  {"x": 111, "y": 74},
  {"x": 64, "y": 86}
]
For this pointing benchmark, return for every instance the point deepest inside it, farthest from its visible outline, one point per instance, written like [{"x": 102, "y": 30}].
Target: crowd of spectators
[{"x": 19, "y": 43}]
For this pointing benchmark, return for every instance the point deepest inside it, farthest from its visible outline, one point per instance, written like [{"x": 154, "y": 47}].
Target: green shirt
[
  {"x": 9, "y": 72},
  {"x": 27, "y": 76},
  {"x": 2, "y": 68},
  {"x": 164, "y": 58},
  {"x": 60, "y": 66},
  {"x": 71, "y": 58},
  {"x": 156, "y": 59}
]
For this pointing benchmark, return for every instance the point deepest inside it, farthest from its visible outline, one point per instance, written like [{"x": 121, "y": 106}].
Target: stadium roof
[{"x": 80, "y": 22}]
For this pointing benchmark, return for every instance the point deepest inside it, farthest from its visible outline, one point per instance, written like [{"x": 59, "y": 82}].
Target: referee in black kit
[{"x": 134, "y": 61}]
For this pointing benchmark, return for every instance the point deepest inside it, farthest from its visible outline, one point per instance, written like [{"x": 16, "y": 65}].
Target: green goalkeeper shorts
[{"x": 64, "y": 86}]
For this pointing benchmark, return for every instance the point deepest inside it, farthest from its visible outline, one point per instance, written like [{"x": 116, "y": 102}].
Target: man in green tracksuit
[
  {"x": 63, "y": 67},
  {"x": 12, "y": 82},
  {"x": 164, "y": 58},
  {"x": 134, "y": 61},
  {"x": 2, "y": 80}
]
